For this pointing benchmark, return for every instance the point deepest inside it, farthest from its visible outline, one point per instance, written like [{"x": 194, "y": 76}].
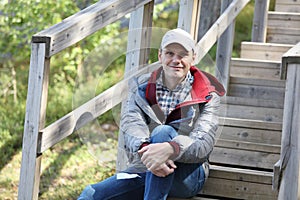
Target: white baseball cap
[{"x": 178, "y": 36}]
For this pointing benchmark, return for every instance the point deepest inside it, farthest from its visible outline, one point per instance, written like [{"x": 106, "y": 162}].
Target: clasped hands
[{"x": 156, "y": 157}]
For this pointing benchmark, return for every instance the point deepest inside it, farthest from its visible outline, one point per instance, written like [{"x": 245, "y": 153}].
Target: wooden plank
[
  {"x": 243, "y": 158},
  {"x": 287, "y": 6},
  {"x": 247, "y": 175},
  {"x": 258, "y": 82},
  {"x": 283, "y": 20},
  {"x": 259, "y": 26},
  {"x": 292, "y": 56},
  {"x": 258, "y": 124},
  {"x": 189, "y": 16},
  {"x": 239, "y": 183},
  {"x": 251, "y": 112},
  {"x": 245, "y": 134},
  {"x": 34, "y": 120},
  {"x": 263, "y": 51},
  {"x": 259, "y": 92},
  {"x": 224, "y": 50},
  {"x": 82, "y": 24},
  {"x": 290, "y": 153},
  {"x": 250, "y": 146},
  {"x": 283, "y": 35},
  {"x": 258, "y": 69},
  {"x": 238, "y": 189},
  {"x": 269, "y": 103},
  {"x": 216, "y": 30}
]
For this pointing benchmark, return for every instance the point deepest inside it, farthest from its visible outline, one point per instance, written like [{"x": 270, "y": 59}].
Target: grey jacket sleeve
[
  {"x": 199, "y": 144},
  {"x": 133, "y": 124}
]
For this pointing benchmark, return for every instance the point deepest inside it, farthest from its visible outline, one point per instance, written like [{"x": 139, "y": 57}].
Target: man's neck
[{"x": 171, "y": 83}]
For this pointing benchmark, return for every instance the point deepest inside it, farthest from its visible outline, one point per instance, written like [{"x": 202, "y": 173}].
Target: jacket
[{"x": 195, "y": 119}]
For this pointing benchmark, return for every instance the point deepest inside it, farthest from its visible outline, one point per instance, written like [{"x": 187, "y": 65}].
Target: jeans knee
[
  {"x": 163, "y": 133},
  {"x": 87, "y": 193}
]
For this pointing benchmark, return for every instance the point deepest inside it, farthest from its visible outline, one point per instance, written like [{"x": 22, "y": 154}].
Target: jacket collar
[{"x": 204, "y": 84}]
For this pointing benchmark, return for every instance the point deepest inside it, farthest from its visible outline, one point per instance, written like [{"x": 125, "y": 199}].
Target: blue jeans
[{"x": 185, "y": 182}]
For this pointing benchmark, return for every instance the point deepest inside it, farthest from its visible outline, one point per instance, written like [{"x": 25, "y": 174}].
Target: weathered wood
[
  {"x": 283, "y": 19},
  {"x": 283, "y": 35},
  {"x": 268, "y": 103},
  {"x": 249, "y": 146},
  {"x": 189, "y": 16},
  {"x": 290, "y": 152},
  {"x": 255, "y": 68},
  {"x": 224, "y": 50},
  {"x": 251, "y": 112},
  {"x": 245, "y": 134},
  {"x": 258, "y": 82},
  {"x": 243, "y": 158},
  {"x": 259, "y": 26},
  {"x": 287, "y": 6},
  {"x": 259, "y": 92},
  {"x": 217, "y": 29},
  {"x": 82, "y": 24},
  {"x": 292, "y": 56},
  {"x": 239, "y": 183},
  {"x": 34, "y": 121},
  {"x": 264, "y": 51},
  {"x": 251, "y": 123}
]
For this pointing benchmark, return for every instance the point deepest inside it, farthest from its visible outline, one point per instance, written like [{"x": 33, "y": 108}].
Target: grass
[{"x": 66, "y": 169}]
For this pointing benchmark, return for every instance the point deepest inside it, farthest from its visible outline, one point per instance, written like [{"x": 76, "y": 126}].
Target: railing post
[
  {"x": 290, "y": 143},
  {"x": 34, "y": 122},
  {"x": 138, "y": 44},
  {"x": 224, "y": 50},
  {"x": 189, "y": 16},
  {"x": 259, "y": 27}
]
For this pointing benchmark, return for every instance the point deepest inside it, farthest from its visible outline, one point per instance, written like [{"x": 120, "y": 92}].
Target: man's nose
[{"x": 177, "y": 58}]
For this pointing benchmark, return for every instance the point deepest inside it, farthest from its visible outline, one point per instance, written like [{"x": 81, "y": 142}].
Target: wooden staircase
[{"x": 249, "y": 143}]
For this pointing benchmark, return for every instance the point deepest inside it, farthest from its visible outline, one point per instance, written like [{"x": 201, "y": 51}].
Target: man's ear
[
  {"x": 159, "y": 55},
  {"x": 194, "y": 57}
]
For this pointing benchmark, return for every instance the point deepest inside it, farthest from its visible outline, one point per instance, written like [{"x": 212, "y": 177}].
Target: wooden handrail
[
  {"x": 216, "y": 30},
  {"x": 287, "y": 169},
  {"x": 84, "y": 23}
]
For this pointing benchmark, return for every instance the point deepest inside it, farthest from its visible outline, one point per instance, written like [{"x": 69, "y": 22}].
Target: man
[{"x": 169, "y": 124}]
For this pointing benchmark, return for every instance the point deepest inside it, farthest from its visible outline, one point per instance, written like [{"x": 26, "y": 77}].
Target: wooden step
[
  {"x": 283, "y": 35},
  {"x": 250, "y": 135},
  {"x": 283, "y": 20},
  {"x": 287, "y": 6},
  {"x": 268, "y": 103},
  {"x": 259, "y": 69},
  {"x": 264, "y": 51},
  {"x": 227, "y": 182},
  {"x": 257, "y": 88},
  {"x": 244, "y": 158},
  {"x": 251, "y": 123},
  {"x": 252, "y": 112}
]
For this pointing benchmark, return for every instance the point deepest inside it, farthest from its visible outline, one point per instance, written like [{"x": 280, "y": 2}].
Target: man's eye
[{"x": 169, "y": 53}]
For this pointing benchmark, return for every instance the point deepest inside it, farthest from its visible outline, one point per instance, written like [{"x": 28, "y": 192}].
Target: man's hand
[
  {"x": 165, "y": 169},
  {"x": 156, "y": 155}
]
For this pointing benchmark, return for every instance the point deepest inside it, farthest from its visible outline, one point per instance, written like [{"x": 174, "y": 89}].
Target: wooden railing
[
  {"x": 287, "y": 170},
  {"x": 38, "y": 138}
]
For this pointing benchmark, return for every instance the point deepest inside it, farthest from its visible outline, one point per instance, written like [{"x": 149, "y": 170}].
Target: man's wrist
[{"x": 176, "y": 149}]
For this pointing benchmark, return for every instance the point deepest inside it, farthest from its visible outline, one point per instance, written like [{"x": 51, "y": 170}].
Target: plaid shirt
[{"x": 168, "y": 99}]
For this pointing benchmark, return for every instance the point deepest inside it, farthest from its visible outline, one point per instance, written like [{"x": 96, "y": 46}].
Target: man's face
[{"x": 176, "y": 61}]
